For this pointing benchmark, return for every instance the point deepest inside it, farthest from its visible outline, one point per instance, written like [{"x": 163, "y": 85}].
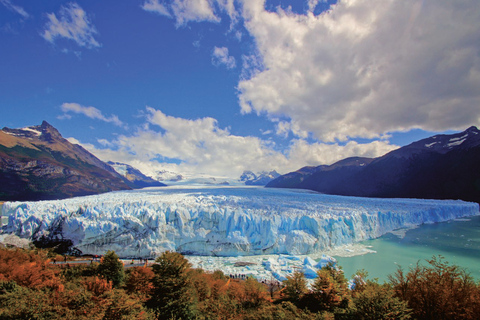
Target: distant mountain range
[
  {"x": 168, "y": 176},
  {"x": 135, "y": 176},
  {"x": 439, "y": 167},
  {"x": 37, "y": 163},
  {"x": 258, "y": 179}
]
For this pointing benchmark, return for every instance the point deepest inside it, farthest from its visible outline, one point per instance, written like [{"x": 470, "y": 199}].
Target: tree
[
  {"x": 377, "y": 302},
  {"x": 329, "y": 291},
  {"x": 295, "y": 286},
  {"x": 438, "y": 291},
  {"x": 111, "y": 268},
  {"x": 139, "y": 281},
  {"x": 173, "y": 294},
  {"x": 124, "y": 306},
  {"x": 255, "y": 293}
]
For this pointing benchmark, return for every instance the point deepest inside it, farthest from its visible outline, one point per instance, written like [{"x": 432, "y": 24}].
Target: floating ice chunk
[
  {"x": 279, "y": 275},
  {"x": 295, "y": 258},
  {"x": 310, "y": 272},
  {"x": 270, "y": 264},
  {"x": 309, "y": 262},
  {"x": 325, "y": 260}
]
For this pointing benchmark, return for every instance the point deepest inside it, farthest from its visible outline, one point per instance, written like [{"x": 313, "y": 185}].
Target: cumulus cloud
[
  {"x": 220, "y": 56},
  {"x": 156, "y": 7},
  {"x": 184, "y": 11},
  {"x": 202, "y": 146},
  {"x": 366, "y": 67},
  {"x": 10, "y": 6},
  {"x": 363, "y": 69},
  {"x": 72, "y": 23},
  {"x": 314, "y": 153},
  {"x": 90, "y": 112}
]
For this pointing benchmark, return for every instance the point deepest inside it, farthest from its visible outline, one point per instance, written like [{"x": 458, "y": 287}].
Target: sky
[{"x": 216, "y": 87}]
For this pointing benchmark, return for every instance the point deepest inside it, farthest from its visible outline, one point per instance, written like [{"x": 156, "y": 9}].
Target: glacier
[{"x": 221, "y": 221}]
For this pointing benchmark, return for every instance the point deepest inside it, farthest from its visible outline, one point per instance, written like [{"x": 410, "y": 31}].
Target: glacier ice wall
[{"x": 221, "y": 221}]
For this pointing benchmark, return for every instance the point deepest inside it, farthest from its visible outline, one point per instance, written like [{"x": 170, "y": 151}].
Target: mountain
[
  {"x": 37, "y": 163},
  {"x": 135, "y": 176},
  {"x": 258, "y": 179},
  {"x": 165, "y": 175},
  {"x": 439, "y": 167}
]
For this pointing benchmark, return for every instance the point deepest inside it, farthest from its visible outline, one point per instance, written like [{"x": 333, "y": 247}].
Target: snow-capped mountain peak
[{"x": 258, "y": 179}]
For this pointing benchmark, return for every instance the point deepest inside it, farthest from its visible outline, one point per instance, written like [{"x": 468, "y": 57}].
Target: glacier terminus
[{"x": 221, "y": 220}]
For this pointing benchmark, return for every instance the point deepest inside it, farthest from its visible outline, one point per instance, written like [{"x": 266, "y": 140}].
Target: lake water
[{"x": 458, "y": 241}]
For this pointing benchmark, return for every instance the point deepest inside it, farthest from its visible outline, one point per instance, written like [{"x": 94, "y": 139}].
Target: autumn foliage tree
[
  {"x": 438, "y": 291},
  {"x": 29, "y": 269},
  {"x": 329, "y": 290},
  {"x": 173, "y": 294},
  {"x": 295, "y": 286},
  {"x": 375, "y": 301},
  {"x": 139, "y": 281},
  {"x": 33, "y": 288}
]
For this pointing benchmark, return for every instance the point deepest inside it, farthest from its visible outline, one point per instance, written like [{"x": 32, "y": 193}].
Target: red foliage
[
  {"x": 140, "y": 280},
  {"x": 28, "y": 269},
  {"x": 97, "y": 286}
]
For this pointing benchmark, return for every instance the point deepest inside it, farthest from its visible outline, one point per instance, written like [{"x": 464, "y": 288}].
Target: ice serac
[{"x": 221, "y": 221}]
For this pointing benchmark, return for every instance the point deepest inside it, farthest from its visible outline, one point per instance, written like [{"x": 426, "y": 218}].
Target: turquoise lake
[{"x": 458, "y": 241}]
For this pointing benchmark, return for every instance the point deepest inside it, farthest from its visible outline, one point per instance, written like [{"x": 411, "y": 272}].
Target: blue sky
[{"x": 220, "y": 86}]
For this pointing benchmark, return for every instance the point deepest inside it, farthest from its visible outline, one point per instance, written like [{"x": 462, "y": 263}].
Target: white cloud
[
  {"x": 366, "y": 67},
  {"x": 184, "y": 11},
  {"x": 72, "y": 23},
  {"x": 193, "y": 10},
  {"x": 201, "y": 146},
  {"x": 10, "y": 6},
  {"x": 313, "y": 154},
  {"x": 157, "y": 7},
  {"x": 312, "y": 4},
  {"x": 220, "y": 56},
  {"x": 90, "y": 112}
]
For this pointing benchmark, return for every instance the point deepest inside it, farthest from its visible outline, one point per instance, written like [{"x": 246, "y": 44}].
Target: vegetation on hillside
[{"x": 32, "y": 287}]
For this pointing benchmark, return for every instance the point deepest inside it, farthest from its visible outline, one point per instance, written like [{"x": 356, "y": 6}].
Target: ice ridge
[{"x": 221, "y": 221}]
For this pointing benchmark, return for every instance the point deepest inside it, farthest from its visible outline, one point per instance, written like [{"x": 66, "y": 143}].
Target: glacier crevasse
[{"x": 221, "y": 221}]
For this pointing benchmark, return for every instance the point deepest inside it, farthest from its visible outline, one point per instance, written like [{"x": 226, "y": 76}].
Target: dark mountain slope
[
  {"x": 439, "y": 167},
  {"x": 37, "y": 163}
]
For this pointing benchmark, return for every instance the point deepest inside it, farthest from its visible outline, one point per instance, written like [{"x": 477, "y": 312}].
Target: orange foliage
[
  {"x": 236, "y": 291},
  {"x": 97, "y": 286},
  {"x": 140, "y": 280},
  {"x": 28, "y": 269}
]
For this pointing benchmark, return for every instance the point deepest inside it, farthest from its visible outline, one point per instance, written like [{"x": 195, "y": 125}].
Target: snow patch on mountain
[
  {"x": 168, "y": 176},
  {"x": 455, "y": 143},
  {"x": 221, "y": 221},
  {"x": 259, "y": 178}
]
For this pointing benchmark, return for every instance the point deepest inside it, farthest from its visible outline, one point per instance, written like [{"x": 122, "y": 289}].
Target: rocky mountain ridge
[
  {"x": 37, "y": 163},
  {"x": 440, "y": 167}
]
